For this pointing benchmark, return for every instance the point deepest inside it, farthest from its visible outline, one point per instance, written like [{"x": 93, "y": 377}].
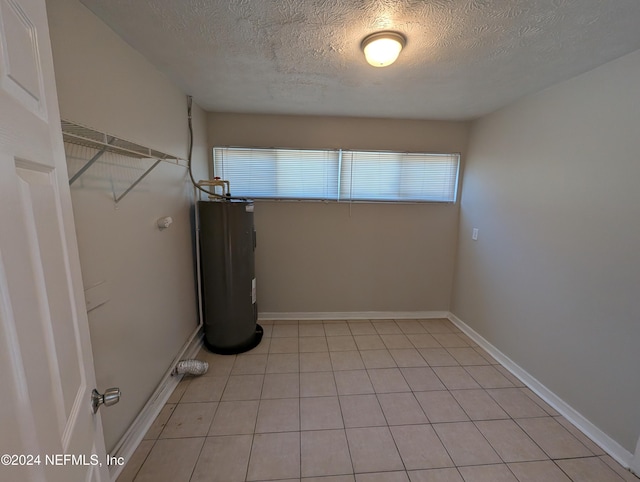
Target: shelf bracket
[
  {"x": 90, "y": 162},
  {"x": 137, "y": 181}
]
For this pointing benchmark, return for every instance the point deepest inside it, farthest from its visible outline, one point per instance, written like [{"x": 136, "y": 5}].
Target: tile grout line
[
  {"x": 199, "y": 454},
  {"x": 344, "y": 425},
  {"x": 145, "y": 459},
  {"x": 299, "y": 406},
  {"x": 427, "y": 417},
  {"x": 388, "y": 427}
]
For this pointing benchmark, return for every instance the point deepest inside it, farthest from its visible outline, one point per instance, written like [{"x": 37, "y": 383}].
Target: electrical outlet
[{"x": 474, "y": 234}]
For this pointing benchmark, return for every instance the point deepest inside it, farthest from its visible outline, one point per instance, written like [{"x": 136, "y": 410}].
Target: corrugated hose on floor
[{"x": 191, "y": 367}]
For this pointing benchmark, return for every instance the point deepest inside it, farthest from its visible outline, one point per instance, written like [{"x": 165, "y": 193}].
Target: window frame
[{"x": 453, "y": 186}]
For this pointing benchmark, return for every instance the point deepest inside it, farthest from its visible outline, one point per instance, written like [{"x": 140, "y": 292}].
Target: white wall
[
  {"x": 554, "y": 278},
  {"x": 105, "y": 84},
  {"x": 336, "y": 257}
]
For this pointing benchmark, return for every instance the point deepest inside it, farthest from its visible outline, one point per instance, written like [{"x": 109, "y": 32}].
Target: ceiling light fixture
[{"x": 382, "y": 48}]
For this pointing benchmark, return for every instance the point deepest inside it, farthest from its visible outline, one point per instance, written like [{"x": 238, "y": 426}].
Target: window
[
  {"x": 341, "y": 175},
  {"x": 278, "y": 173}
]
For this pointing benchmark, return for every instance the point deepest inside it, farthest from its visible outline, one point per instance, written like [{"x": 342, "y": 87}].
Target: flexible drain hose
[{"x": 191, "y": 367}]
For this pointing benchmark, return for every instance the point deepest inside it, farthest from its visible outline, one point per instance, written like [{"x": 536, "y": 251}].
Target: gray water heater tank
[{"x": 227, "y": 275}]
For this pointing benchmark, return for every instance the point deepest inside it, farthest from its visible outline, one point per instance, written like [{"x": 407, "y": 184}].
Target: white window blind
[
  {"x": 278, "y": 173},
  {"x": 399, "y": 176},
  {"x": 345, "y": 175}
]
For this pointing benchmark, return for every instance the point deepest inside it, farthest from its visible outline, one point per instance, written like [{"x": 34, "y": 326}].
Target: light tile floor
[{"x": 363, "y": 401}]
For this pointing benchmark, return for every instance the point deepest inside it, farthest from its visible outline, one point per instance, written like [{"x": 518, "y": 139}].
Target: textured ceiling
[{"x": 463, "y": 58}]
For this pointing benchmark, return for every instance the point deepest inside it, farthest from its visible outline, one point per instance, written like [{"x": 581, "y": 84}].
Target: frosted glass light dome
[{"x": 382, "y": 48}]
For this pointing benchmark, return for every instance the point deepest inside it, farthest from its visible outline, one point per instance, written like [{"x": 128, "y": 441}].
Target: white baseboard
[
  {"x": 606, "y": 443},
  {"x": 354, "y": 315},
  {"x": 635, "y": 463},
  {"x": 136, "y": 431}
]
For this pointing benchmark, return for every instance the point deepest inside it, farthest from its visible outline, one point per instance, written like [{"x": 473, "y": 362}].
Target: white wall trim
[
  {"x": 635, "y": 463},
  {"x": 354, "y": 315},
  {"x": 606, "y": 443},
  {"x": 136, "y": 431}
]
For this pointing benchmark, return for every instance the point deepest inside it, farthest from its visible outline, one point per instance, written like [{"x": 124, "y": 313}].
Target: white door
[{"x": 46, "y": 365}]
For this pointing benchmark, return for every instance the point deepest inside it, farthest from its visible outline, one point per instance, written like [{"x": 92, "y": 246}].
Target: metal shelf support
[
  {"x": 89, "y": 163},
  {"x": 117, "y": 199}
]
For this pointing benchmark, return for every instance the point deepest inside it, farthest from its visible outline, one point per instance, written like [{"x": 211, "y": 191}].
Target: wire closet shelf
[{"x": 102, "y": 142}]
